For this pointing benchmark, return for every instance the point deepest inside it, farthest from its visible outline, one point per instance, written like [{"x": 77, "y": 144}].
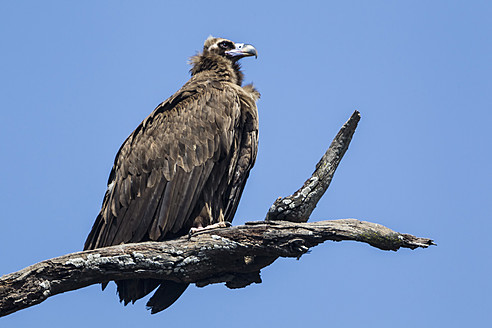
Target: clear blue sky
[{"x": 76, "y": 77}]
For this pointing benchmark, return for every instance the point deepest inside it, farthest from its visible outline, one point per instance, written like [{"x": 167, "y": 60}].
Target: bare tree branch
[
  {"x": 233, "y": 255},
  {"x": 299, "y": 206}
]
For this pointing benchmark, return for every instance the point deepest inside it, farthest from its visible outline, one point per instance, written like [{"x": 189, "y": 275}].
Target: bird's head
[
  {"x": 221, "y": 57},
  {"x": 228, "y": 49}
]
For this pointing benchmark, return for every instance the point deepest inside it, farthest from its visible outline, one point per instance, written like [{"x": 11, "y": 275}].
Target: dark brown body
[{"x": 184, "y": 166}]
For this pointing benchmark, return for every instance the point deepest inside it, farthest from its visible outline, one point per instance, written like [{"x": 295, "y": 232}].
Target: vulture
[{"x": 184, "y": 167}]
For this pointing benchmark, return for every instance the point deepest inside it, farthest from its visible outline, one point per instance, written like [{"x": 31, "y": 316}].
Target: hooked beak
[{"x": 242, "y": 50}]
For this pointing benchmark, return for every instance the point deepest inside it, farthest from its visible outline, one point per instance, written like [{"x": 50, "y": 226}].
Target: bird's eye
[{"x": 225, "y": 45}]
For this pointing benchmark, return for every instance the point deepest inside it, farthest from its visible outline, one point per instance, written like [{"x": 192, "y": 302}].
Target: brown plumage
[{"x": 184, "y": 166}]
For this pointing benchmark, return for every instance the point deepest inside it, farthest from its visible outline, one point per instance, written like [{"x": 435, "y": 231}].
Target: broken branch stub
[{"x": 299, "y": 206}]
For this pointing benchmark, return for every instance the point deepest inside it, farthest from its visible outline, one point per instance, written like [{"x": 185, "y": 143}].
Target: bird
[{"x": 185, "y": 165}]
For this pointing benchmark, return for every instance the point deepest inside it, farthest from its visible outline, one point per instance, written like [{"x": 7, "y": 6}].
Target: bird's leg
[
  {"x": 217, "y": 225},
  {"x": 206, "y": 216}
]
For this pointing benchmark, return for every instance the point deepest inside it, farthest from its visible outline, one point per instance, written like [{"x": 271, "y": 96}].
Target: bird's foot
[{"x": 218, "y": 225}]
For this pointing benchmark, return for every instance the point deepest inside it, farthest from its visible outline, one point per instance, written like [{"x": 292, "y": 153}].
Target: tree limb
[
  {"x": 233, "y": 255},
  {"x": 299, "y": 206},
  {"x": 212, "y": 256}
]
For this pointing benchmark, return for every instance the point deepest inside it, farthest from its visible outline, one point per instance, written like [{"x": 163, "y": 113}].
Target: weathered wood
[
  {"x": 213, "y": 256},
  {"x": 233, "y": 255},
  {"x": 299, "y": 206}
]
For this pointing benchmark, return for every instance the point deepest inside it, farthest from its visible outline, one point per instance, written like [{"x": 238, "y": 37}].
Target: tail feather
[
  {"x": 167, "y": 293},
  {"x": 131, "y": 290}
]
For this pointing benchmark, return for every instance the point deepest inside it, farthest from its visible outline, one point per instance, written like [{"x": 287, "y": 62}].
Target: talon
[{"x": 218, "y": 225}]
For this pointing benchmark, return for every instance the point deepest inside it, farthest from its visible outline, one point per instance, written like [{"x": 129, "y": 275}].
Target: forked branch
[{"x": 233, "y": 255}]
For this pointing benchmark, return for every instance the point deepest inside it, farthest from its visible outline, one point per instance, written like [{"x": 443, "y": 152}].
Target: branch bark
[
  {"x": 299, "y": 206},
  {"x": 233, "y": 256}
]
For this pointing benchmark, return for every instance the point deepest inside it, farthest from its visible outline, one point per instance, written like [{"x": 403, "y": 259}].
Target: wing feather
[
  {"x": 164, "y": 165},
  {"x": 195, "y": 148}
]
